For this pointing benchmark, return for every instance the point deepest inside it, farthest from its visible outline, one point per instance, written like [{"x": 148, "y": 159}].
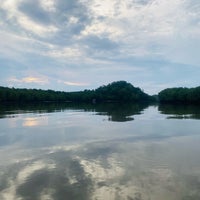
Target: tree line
[
  {"x": 119, "y": 91},
  {"x": 180, "y": 95}
]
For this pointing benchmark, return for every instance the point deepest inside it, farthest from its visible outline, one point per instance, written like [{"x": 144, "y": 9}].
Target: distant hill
[{"x": 119, "y": 91}]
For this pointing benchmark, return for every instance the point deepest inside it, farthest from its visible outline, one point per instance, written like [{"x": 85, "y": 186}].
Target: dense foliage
[
  {"x": 119, "y": 91},
  {"x": 180, "y": 95},
  {"x": 29, "y": 95}
]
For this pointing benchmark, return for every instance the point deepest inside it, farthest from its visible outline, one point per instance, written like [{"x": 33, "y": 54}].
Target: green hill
[{"x": 119, "y": 91}]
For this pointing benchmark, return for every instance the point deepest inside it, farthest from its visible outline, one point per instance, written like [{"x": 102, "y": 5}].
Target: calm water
[{"x": 99, "y": 152}]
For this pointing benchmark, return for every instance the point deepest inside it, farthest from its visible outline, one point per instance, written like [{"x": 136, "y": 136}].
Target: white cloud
[
  {"x": 34, "y": 27},
  {"x": 15, "y": 46},
  {"x": 11, "y": 7},
  {"x": 16, "y": 16},
  {"x": 48, "y": 5},
  {"x": 137, "y": 27},
  {"x": 73, "y": 20},
  {"x": 104, "y": 8},
  {"x": 66, "y": 52},
  {"x": 102, "y": 29},
  {"x": 75, "y": 83}
]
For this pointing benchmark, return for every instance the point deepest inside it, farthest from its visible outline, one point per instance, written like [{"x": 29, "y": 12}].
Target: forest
[
  {"x": 119, "y": 91},
  {"x": 180, "y": 95}
]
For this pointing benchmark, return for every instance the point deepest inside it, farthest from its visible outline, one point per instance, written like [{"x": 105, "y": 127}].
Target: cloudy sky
[{"x": 72, "y": 45}]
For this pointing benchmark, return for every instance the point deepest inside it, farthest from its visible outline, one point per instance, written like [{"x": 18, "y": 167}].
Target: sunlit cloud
[
  {"x": 33, "y": 80},
  {"x": 29, "y": 80}
]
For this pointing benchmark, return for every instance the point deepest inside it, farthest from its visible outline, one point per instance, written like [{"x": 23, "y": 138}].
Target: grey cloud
[
  {"x": 2, "y": 13},
  {"x": 138, "y": 3},
  {"x": 7, "y": 23},
  {"x": 62, "y": 18},
  {"x": 74, "y": 9},
  {"x": 142, "y": 2},
  {"x": 64, "y": 10},
  {"x": 33, "y": 10},
  {"x": 193, "y": 7},
  {"x": 95, "y": 42},
  {"x": 69, "y": 6}
]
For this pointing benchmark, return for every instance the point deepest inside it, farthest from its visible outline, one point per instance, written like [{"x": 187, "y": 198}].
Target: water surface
[{"x": 98, "y": 152}]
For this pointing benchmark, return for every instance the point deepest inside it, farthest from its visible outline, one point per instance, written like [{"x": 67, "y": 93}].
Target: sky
[{"x": 72, "y": 45}]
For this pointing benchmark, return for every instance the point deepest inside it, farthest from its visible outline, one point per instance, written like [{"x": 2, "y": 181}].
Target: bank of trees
[
  {"x": 180, "y": 95},
  {"x": 119, "y": 91},
  {"x": 30, "y": 95}
]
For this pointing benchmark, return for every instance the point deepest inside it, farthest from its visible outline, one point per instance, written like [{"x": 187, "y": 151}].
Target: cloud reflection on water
[
  {"x": 33, "y": 121},
  {"x": 74, "y": 153},
  {"x": 104, "y": 170}
]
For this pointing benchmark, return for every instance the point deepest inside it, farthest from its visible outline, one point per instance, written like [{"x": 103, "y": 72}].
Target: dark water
[{"x": 99, "y": 152}]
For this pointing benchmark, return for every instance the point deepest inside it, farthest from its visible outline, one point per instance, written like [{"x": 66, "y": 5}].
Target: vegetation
[
  {"x": 119, "y": 91},
  {"x": 180, "y": 95}
]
